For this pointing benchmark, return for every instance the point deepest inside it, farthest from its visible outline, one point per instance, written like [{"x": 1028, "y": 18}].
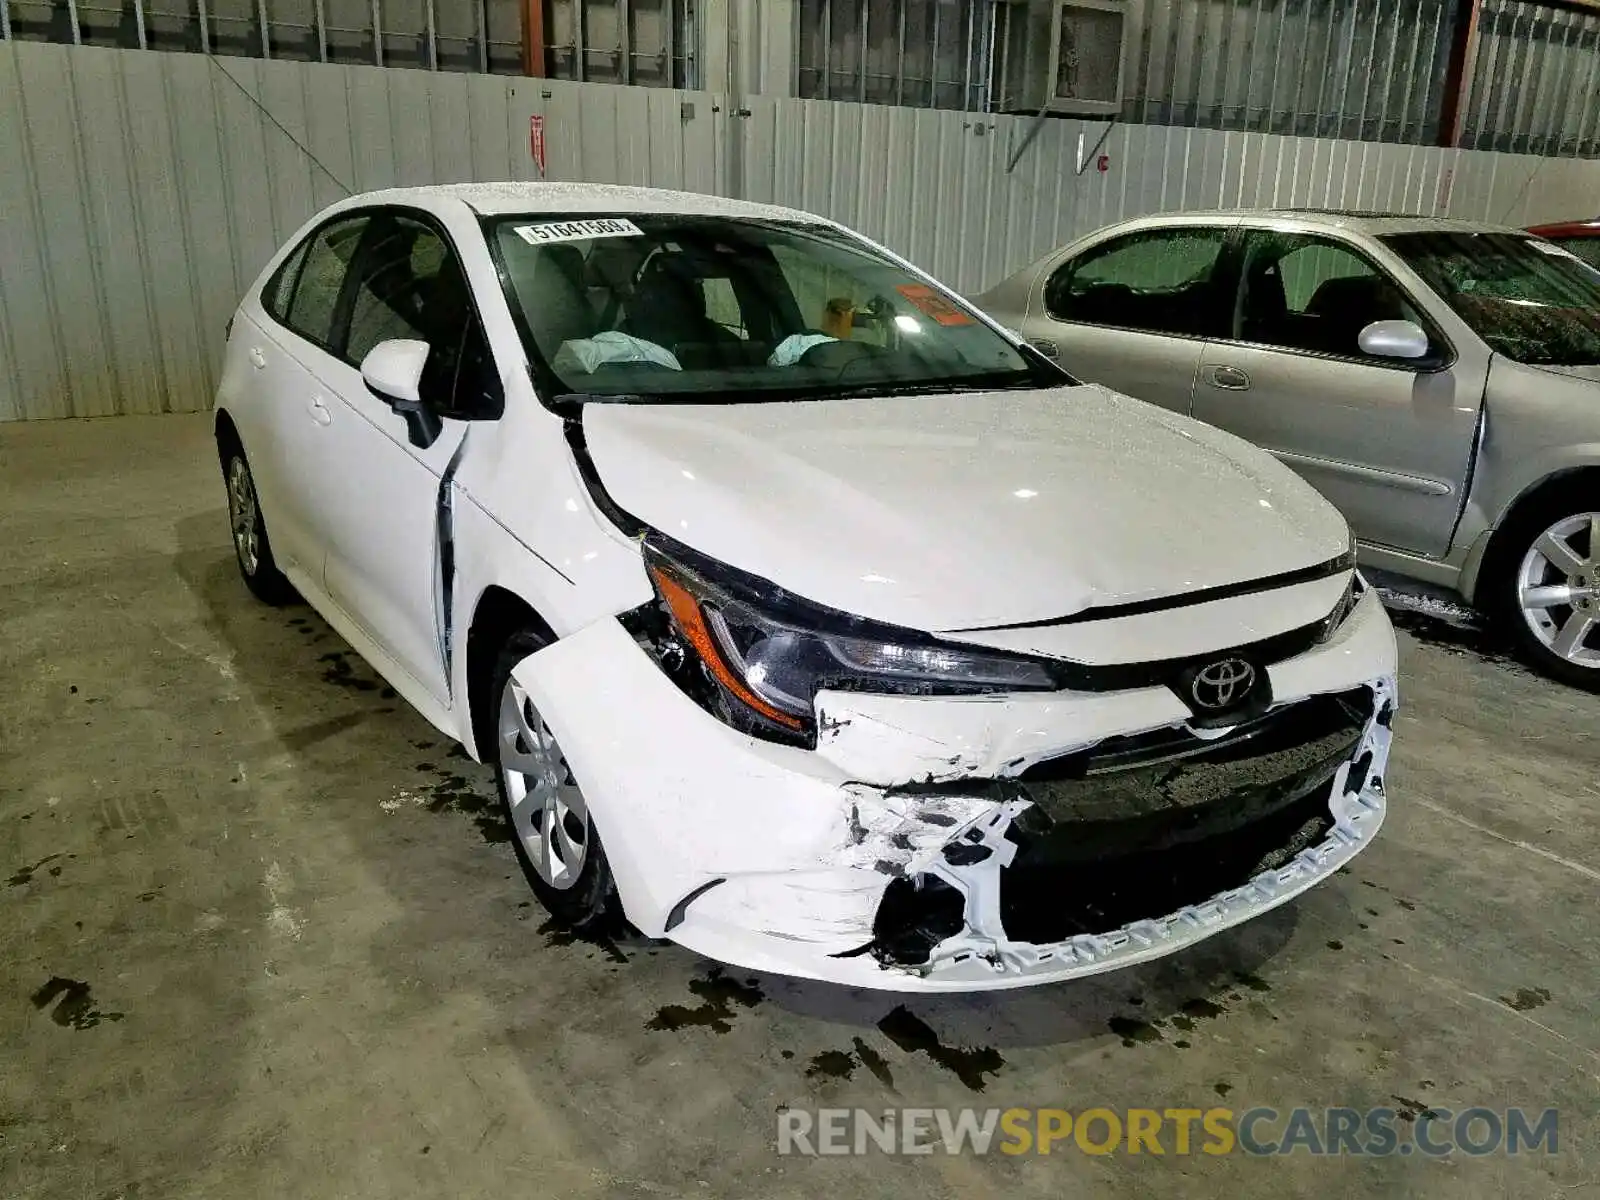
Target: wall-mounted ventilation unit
[{"x": 1067, "y": 56}]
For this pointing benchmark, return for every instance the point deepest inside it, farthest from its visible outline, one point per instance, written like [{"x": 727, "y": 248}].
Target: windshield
[
  {"x": 710, "y": 309},
  {"x": 1530, "y": 300},
  {"x": 1586, "y": 248}
]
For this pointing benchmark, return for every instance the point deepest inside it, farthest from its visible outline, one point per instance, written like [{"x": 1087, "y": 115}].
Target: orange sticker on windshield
[{"x": 932, "y": 304}]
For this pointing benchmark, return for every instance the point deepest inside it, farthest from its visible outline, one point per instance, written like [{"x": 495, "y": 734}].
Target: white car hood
[{"x": 961, "y": 511}]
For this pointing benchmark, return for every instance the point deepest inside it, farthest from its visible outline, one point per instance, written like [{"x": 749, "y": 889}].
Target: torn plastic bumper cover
[
  {"x": 1096, "y": 858},
  {"x": 1108, "y": 830}
]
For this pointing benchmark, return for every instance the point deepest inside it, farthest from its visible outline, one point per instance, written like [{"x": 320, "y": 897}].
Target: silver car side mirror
[
  {"x": 1394, "y": 339},
  {"x": 392, "y": 371}
]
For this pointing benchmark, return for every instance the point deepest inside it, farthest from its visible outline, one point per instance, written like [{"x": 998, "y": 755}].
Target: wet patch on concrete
[
  {"x": 1408, "y": 1110},
  {"x": 1133, "y": 1032},
  {"x": 1526, "y": 999},
  {"x": 718, "y": 995},
  {"x": 914, "y": 1035},
  {"x": 832, "y": 1064},
  {"x": 454, "y": 793},
  {"x": 842, "y": 1064},
  {"x": 26, "y": 875},
  {"x": 339, "y": 671},
  {"x": 603, "y": 936},
  {"x": 74, "y": 1004}
]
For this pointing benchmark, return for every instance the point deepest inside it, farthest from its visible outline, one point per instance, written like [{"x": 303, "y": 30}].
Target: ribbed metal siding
[
  {"x": 649, "y": 42},
  {"x": 1535, "y": 81},
  {"x": 142, "y": 192},
  {"x": 1365, "y": 69}
]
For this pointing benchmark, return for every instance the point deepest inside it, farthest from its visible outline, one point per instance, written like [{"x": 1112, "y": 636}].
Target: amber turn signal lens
[{"x": 691, "y": 623}]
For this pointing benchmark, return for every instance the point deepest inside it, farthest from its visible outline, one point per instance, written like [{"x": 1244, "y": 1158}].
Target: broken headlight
[{"x": 766, "y": 654}]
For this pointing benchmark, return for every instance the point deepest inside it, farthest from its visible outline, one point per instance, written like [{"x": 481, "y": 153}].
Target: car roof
[
  {"x": 1369, "y": 222},
  {"x": 496, "y": 199}
]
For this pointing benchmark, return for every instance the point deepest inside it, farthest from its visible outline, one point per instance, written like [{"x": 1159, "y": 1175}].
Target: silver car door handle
[
  {"x": 319, "y": 411},
  {"x": 1045, "y": 347},
  {"x": 1230, "y": 379},
  {"x": 257, "y": 359}
]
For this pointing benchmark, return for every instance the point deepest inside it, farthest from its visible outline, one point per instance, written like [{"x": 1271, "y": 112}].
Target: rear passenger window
[
  {"x": 1303, "y": 292},
  {"x": 327, "y": 256},
  {"x": 1158, "y": 281},
  {"x": 278, "y": 293}
]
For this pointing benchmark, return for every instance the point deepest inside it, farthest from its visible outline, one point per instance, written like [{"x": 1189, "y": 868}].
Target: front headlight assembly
[{"x": 757, "y": 656}]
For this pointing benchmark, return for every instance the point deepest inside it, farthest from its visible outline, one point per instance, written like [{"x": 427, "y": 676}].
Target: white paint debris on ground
[
  {"x": 1430, "y": 606},
  {"x": 402, "y": 798},
  {"x": 281, "y": 919}
]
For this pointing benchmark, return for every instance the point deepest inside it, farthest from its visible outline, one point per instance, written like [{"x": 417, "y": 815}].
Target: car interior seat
[
  {"x": 549, "y": 284},
  {"x": 668, "y": 307},
  {"x": 1345, "y": 306},
  {"x": 1266, "y": 304}
]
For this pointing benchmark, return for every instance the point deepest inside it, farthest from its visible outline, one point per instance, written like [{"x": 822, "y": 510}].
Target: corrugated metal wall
[
  {"x": 1370, "y": 70},
  {"x": 141, "y": 192},
  {"x": 1535, "y": 81}
]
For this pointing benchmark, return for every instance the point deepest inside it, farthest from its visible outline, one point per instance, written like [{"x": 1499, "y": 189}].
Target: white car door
[
  {"x": 284, "y": 423},
  {"x": 381, "y": 524}
]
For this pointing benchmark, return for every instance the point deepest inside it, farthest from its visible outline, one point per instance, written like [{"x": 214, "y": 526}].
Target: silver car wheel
[
  {"x": 548, "y": 812},
  {"x": 1558, "y": 589},
  {"x": 242, "y": 515}
]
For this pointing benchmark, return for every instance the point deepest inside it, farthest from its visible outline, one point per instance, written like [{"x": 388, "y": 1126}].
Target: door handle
[
  {"x": 319, "y": 411},
  {"x": 1045, "y": 347},
  {"x": 257, "y": 359},
  {"x": 1230, "y": 379}
]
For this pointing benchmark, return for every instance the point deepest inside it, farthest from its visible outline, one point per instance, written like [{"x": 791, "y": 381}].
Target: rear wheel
[
  {"x": 1549, "y": 584},
  {"x": 251, "y": 548},
  {"x": 552, "y": 832}
]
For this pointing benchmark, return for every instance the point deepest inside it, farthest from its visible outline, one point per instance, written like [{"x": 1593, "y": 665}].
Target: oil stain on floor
[
  {"x": 74, "y": 1004},
  {"x": 718, "y": 994}
]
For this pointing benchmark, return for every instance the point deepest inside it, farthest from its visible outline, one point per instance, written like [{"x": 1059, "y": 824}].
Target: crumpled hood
[{"x": 952, "y": 512}]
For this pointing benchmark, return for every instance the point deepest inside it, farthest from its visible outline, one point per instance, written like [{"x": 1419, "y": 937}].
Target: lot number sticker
[{"x": 577, "y": 231}]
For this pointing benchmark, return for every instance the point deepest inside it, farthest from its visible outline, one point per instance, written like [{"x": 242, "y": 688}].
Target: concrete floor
[{"x": 292, "y": 957}]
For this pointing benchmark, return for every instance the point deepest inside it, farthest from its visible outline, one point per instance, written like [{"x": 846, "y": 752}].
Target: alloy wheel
[
  {"x": 242, "y": 515},
  {"x": 1558, "y": 589},
  {"x": 548, "y": 813}
]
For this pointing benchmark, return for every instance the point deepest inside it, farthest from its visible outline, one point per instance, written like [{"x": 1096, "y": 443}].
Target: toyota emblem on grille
[{"x": 1223, "y": 684}]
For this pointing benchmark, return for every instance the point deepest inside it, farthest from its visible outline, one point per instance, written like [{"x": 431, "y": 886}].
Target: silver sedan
[{"x": 1438, "y": 380}]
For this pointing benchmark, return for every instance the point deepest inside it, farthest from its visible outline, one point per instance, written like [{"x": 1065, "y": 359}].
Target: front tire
[
  {"x": 553, "y": 834},
  {"x": 1548, "y": 585},
  {"x": 251, "y": 548}
]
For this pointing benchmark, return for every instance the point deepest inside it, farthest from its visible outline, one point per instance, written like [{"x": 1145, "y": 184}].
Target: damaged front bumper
[{"x": 1111, "y": 834}]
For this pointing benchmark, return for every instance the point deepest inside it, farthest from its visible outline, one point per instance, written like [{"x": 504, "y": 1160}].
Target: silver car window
[
  {"x": 1303, "y": 292},
  {"x": 1159, "y": 281}
]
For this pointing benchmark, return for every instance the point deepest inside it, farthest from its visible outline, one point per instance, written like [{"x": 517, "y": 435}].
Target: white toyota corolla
[{"x": 806, "y": 614}]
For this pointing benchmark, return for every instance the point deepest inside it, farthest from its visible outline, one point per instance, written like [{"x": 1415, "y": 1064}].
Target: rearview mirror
[
  {"x": 1394, "y": 339},
  {"x": 392, "y": 371}
]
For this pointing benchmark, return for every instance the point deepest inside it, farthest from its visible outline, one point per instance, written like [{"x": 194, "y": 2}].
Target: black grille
[{"x": 1140, "y": 826}]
